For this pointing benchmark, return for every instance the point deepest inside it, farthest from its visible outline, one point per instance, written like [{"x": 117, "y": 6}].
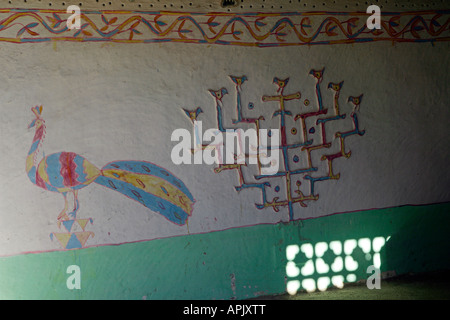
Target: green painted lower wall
[{"x": 232, "y": 264}]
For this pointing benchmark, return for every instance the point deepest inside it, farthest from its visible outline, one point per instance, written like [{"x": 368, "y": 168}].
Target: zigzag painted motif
[{"x": 239, "y": 29}]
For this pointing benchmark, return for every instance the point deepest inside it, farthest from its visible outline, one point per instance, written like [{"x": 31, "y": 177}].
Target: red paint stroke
[
  {"x": 38, "y": 134},
  {"x": 140, "y": 183},
  {"x": 68, "y": 167},
  {"x": 39, "y": 181}
]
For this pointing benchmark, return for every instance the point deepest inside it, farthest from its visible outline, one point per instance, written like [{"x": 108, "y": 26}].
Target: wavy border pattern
[{"x": 238, "y": 29}]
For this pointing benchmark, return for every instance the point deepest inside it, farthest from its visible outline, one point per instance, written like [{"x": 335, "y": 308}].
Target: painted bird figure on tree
[{"x": 145, "y": 182}]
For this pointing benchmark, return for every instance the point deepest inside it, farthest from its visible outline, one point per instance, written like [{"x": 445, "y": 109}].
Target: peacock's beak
[{"x": 31, "y": 125}]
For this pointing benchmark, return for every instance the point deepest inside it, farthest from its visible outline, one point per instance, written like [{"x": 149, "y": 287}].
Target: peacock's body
[{"x": 145, "y": 182}]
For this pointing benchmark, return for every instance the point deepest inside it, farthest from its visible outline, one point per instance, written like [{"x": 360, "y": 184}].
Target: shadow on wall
[{"x": 421, "y": 244}]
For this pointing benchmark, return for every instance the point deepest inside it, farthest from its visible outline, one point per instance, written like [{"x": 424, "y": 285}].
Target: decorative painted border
[{"x": 238, "y": 29}]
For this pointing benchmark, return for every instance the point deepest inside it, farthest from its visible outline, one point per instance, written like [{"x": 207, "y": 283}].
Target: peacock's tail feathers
[{"x": 152, "y": 186}]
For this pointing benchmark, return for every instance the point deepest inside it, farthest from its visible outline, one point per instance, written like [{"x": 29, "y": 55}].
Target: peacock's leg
[
  {"x": 76, "y": 204},
  {"x": 63, "y": 214}
]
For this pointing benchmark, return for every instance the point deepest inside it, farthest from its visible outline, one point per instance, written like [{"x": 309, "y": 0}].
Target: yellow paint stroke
[{"x": 153, "y": 185}]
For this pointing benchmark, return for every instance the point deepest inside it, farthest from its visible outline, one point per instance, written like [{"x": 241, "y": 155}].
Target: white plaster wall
[{"x": 111, "y": 102}]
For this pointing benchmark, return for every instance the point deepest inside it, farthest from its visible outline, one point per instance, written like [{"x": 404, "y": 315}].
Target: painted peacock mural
[{"x": 67, "y": 172}]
